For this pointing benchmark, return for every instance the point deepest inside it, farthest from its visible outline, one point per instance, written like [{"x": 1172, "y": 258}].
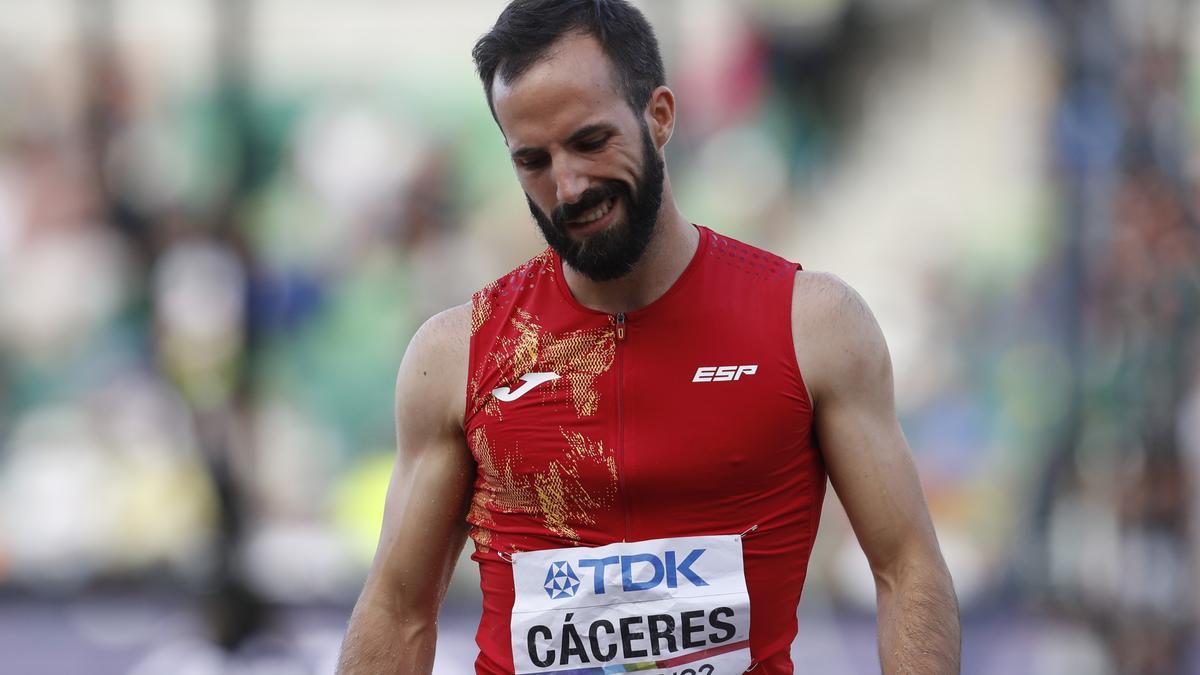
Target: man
[{"x": 621, "y": 425}]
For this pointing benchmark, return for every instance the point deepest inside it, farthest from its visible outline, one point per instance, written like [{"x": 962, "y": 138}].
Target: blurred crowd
[
  {"x": 1118, "y": 510},
  {"x": 210, "y": 266}
]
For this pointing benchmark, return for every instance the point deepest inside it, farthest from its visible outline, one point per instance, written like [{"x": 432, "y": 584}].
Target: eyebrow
[{"x": 579, "y": 135}]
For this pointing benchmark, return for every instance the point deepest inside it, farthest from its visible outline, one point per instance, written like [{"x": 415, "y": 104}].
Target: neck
[{"x": 668, "y": 254}]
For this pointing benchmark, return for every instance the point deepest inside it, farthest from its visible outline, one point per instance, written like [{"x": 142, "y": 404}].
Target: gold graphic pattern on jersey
[
  {"x": 481, "y": 309},
  {"x": 578, "y": 356},
  {"x": 484, "y": 300},
  {"x": 559, "y": 494}
]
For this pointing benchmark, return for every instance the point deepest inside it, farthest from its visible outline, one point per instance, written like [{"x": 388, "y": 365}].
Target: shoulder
[
  {"x": 444, "y": 335},
  {"x": 433, "y": 373},
  {"x": 838, "y": 342},
  {"x": 825, "y": 297}
]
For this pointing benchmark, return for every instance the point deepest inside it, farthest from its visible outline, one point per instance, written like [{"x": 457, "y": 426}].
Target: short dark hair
[{"x": 526, "y": 29}]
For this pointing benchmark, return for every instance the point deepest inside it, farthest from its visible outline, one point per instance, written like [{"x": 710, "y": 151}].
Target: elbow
[
  {"x": 412, "y": 613},
  {"x": 917, "y": 566}
]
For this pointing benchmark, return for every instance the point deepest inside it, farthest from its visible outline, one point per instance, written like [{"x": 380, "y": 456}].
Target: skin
[{"x": 840, "y": 349}]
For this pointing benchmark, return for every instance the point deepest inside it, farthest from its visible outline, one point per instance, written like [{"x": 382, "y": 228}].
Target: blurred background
[{"x": 221, "y": 221}]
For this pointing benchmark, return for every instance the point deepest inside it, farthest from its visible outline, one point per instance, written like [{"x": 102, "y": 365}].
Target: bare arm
[
  {"x": 393, "y": 629},
  {"x": 849, "y": 372}
]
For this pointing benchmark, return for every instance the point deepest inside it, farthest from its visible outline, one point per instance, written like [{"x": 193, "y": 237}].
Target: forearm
[
  {"x": 919, "y": 629},
  {"x": 385, "y": 640}
]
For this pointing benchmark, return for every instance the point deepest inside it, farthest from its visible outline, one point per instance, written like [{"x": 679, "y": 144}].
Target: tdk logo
[
  {"x": 639, "y": 572},
  {"x": 723, "y": 373},
  {"x": 561, "y": 581}
]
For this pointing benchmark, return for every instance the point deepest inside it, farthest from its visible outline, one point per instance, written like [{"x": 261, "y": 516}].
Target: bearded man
[{"x": 635, "y": 427}]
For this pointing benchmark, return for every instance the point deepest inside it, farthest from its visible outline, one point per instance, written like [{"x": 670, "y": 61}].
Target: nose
[{"x": 569, "y": 183}]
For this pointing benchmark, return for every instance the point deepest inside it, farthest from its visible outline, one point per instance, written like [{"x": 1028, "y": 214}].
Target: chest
[{"x": 680, "y": 409}]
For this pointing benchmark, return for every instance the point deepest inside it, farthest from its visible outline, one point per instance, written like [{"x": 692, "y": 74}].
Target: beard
[{"x": 610, "y": 253}]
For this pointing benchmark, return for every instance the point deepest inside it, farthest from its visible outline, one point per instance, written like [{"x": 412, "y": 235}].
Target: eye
[
  {"x": 531, "y": 162},
  {"x": 593, "y": 144}
]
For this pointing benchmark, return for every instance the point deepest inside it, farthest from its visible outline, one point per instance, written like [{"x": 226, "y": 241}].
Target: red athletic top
[{"x": 687, "y": 417}]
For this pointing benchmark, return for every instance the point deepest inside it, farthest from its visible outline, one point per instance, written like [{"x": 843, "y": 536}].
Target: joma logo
[{"x": 723, "y": 373}]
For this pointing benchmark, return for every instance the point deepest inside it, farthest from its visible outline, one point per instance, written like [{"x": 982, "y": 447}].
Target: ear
[{"x": 660, "y": 116}]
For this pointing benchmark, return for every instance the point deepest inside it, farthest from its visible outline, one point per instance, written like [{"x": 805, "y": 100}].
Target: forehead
[{"x": 572, "y": 86}]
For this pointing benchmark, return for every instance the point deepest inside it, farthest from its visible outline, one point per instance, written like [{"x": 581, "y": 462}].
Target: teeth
[{"x": 596, "y": 213}]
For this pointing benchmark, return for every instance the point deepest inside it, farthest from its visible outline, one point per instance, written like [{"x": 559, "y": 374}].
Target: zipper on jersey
[{"x": 620, "y": 338}]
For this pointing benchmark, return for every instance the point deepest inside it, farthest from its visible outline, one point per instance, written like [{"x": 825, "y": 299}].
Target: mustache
[{"x": 590, "y": 199}]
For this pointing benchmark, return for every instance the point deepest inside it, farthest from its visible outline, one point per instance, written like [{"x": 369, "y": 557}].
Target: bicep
[
  {"x": 424, "y": 526},
  {"x": 872, "y": 471},
  {"x": 868, "y": 459}
]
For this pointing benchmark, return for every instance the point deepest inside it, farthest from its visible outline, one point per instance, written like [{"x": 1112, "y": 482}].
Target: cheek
[
  {"x": 631, "y": 166},
  {"x": 542, "y": 193}
]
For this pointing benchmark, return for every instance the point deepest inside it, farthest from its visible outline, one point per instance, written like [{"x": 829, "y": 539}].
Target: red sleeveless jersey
[{"x": 687, "y": 417}]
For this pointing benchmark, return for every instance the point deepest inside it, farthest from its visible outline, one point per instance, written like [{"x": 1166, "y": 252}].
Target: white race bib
[{"x": 665, "y": 606}]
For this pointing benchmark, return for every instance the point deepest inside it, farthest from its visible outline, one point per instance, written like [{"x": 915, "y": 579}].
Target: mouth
[{"x": 594, "y": 220}]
